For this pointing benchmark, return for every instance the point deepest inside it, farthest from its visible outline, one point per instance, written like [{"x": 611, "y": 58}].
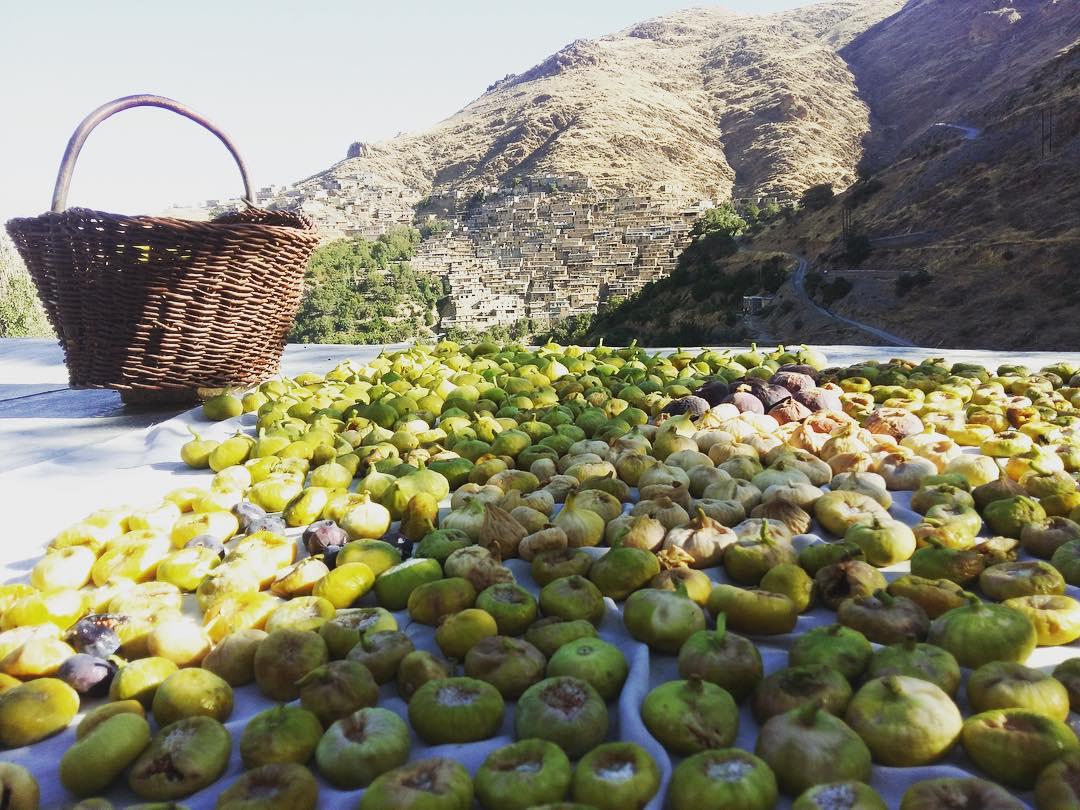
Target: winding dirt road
[{"x": 798, "y": 283}]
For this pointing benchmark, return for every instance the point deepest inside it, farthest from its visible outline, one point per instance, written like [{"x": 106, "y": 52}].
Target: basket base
[{"x": 143, "y": 399}]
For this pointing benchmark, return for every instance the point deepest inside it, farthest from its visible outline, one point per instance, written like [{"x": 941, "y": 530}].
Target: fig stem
[
  {"x": 721, "y": 626},
  {"x": 808, "y": 714}
]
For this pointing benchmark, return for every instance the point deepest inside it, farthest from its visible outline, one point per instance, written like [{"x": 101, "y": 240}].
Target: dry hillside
[
  {"x": 990, "y": 213},
  {"x": 705, "y": 99}
]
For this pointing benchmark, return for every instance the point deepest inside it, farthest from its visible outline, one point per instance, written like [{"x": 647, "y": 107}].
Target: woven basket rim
[{"x": 304, "y": 223}]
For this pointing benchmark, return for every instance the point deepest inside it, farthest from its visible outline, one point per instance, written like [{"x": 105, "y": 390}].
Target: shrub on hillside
[
  {"x": 358, "y": 291},
  {"x": 817, "y": 197}
]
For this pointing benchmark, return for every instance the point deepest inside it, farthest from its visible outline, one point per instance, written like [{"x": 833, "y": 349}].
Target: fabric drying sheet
[{"x": 141, "y": 466}]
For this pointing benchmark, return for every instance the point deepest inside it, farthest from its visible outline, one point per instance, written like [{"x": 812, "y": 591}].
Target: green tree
[
  {"x": 752, "y": 214},
  {"x": 723, "y": 220},
  {"x": 21, "y": 314},
  {"x": 771, "y": 211},
  {"x": 359, "y": 291}
]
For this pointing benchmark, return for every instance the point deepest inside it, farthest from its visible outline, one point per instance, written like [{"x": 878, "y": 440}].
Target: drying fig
[
  {"x": 622, "y": 571},
  {"x": 458, "y": 632},
  {"x": 278, "y": 735},
  {"x": 284, "y": 657},
  {"x": 285, "y": 786},
  {"x": 1043, "y": 539},
  {"x": 884, "y": 542},
  {"x": 522, "y": 775},
  {"x": 139, "y": 679},
  {"x": 432, "y": 601},
  {"x": 704, "y": 539},
  {"x": 839, "y": 510},
  {"x": 807, "y": 746},
  {"x": 182, "y": 758},
  {"x": 816, "y": 556},
  {"x": 1015, "y": 744},
  {"x": 1008, "y": 685},
  {"x": 598, "y": 663},
  {"x": 548, "y": 634},
  {"x": 662, "y": 619},
  {"x": 456, "y": 710},
  {"x": 729, "y": 778},
  {"x": 791, "y": 581},
  {"x": 382, "y": 653},
  {"x": 441, "y": 543},
  {"x": 1066, "y": 559},
  {"x": 572, "y": 597},
  {"x": 1009, "y": 515},
  {"x": 547, "y": 566},
  {"x": 233, "y": 659},
  {"x": 958, "y": 794},
  {"x": 884, "y": 618},
  {"x": 1014, "y": 579},
  {"x": 427, "y": 784},
  {"x": 1056, "y": 618},
  {"x": 478, "y": 566},
  {"x": 511, "y": 606},
  {"x": 697, "y": 584},
  {"x": 614, "y": 776},
  {"x": 1058, "y": 784},
  {"x": 360, "y": 746},
  {"x": 378, "y": 555},
  {"x": 19, "y": 787},
  {"x": 547, "y": 538},
  {"x": 840, "y": 796},
  {"x": 797, "y": 519},
  {"x": 934, "y": 494},
  {"x": 760, "y": 613},
  {"x": 394, "y": 586},
  {"x": 336, "y": 689},
  {"x": 723, "y": 658},
  {"x": 904, "y": 721},
  {"x": 500, "y": 530},
  {"x": 790, "y": 688},
  {"x": 192, "y": 692},
  {"x": 344, "y": 631},
  {"x": 566, "y": 711},
  {"x": 96, "y": 717},
  {"x": 845, "y": 649},
  {"x": 914, "y": 659},
  {"x": 511, "y": 665},
  {"x": 691, "y": 716},
  {"x": 842, "y": 581},
  {"x": 748, "y": 560},
  {"x": 996, "y": 489},
  {"x": 938, "y": 562},
  {"x": 94, "y": 762},
  {"x": 935, "y": 596},
  {"x": 978, "y": 633},
  {"x": 419, "y": 667}
]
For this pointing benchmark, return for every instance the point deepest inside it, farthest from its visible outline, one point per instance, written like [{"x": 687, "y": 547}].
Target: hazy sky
[{"x": 293, "y": 83}]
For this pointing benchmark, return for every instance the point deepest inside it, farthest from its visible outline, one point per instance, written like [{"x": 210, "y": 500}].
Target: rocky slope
[
  {"x": 705, "y": 99},
  {"x": 972, "y": 227},
  {"x": 982, "y": 220}
]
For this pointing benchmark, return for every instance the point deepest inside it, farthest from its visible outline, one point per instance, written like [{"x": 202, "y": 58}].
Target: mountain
[
  {"x": 963, "y": 231},
  {"x": 708, "y": 100}
]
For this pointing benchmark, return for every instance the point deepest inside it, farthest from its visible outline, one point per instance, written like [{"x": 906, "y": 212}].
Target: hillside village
[{"x": 545, "y": 247}]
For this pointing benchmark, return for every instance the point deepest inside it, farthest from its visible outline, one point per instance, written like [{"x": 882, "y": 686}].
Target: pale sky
[{"x": 293, "y": 83}]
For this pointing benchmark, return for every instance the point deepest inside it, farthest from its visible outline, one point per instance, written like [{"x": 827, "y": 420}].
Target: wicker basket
[{"x": 165, "y": 310}]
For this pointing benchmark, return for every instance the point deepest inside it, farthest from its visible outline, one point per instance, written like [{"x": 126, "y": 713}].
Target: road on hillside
[
  {"x": 798, "y": 283},
  {"x": 970, "y": 133}
]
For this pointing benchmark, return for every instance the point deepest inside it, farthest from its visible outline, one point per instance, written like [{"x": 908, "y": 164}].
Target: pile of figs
[{"x": 480, "y": 547}]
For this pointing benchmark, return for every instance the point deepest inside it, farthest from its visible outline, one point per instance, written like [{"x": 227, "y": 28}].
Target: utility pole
[
  {"x": 1047, "y": 121},
  {"x": 845, "y": 220}
]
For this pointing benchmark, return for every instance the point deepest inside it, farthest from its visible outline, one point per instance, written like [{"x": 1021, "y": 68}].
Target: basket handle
[{"x": 78, "y": 138}]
